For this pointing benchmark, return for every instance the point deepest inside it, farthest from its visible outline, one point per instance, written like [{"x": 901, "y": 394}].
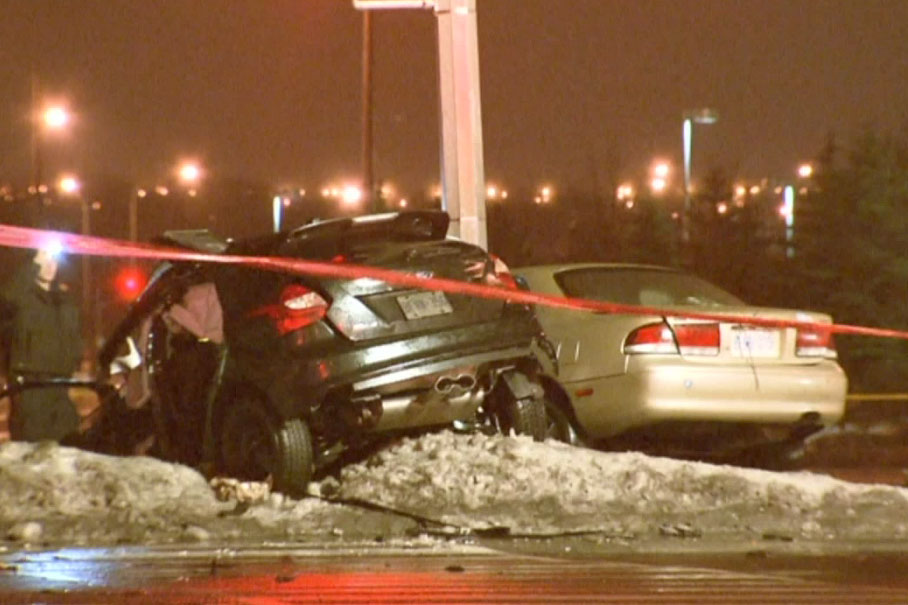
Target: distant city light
[
  {"x": 546, "y": 194},
  {"x": 658, "y": 184},
  {"x": 403, "y": 202},
  {"x": 69, "y": 185},
  {"x": 805, "y": 171},
  {"x": 625, "y": 192},
  {"x": 661, "y": 170},
  {"x": 496, "y": 192},
  {"x": 351, "y": 195},
  {"x": 189, "y": 172},
  {"x": 55, "y": 117},
  {"x": 755, "y": 189},
  {"x": 722, "y": 208},
  {"x": 740, "y": 191}
]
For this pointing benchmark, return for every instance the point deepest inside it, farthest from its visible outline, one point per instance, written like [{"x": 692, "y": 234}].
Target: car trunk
[
  {"x": 414, "y": 243},
  {"x": 367, "y": 308},
  {"x": 744, "y": 343}
]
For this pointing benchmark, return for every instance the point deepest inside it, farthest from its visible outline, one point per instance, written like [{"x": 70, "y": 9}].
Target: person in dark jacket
[{"x": 43, "y": 335}]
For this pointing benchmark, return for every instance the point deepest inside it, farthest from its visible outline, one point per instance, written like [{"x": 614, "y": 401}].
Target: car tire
[
  {"x": 525, "y": 417},
  {"x": 559, "y": 426},
  {"x": 255, "y": 446}
]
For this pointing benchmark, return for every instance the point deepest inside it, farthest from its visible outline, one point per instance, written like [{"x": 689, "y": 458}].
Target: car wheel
[
  {"x": 525, "y": 417},
  {"x": 255, "y": 446},
  {"x": 559, "y": 426}
]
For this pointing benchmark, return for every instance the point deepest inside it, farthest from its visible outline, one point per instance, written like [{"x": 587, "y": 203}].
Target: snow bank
[
  {"x": 52, "y": 495},
  {"x": 483, "y": 482},
  {"x": 60, "y": 494}
]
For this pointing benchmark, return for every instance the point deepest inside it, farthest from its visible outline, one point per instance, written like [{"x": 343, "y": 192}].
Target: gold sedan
[{"x": 673, "y": 385}]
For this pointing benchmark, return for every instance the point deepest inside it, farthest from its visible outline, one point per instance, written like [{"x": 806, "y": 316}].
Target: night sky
[{"x": 574, "y": 91}]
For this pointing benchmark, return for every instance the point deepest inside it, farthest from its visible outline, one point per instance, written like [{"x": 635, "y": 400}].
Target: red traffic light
[{"x": 129, "y": 283}]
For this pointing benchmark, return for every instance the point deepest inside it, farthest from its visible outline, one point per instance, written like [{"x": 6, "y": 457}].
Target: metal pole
[
  {"x": 369, "y": 198},
  {"x": 789, "y": 207},
  {"x": 36, "y": 137},
  {"x": 89, "y": 327},
  {"x": 134, "y": 215},
  {"x": 686, "y": 134}
]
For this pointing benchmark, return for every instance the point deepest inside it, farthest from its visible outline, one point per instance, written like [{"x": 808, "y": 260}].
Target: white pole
[
  {"x": 463, "y": 185},
  {"x": 463, "y": 176},
  {"x": 686, "y": 135},
  {"x": 789, "y": 209}
]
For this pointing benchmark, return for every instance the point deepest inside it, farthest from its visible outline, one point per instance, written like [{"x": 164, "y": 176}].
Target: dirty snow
[{"x": 444, "y": 482}]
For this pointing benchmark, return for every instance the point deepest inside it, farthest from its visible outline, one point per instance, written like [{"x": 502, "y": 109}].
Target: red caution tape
[{"x": 23, "y": 237}]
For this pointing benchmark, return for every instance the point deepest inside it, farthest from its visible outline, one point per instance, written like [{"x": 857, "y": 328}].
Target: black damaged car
[{"x": 263, "y": 374}]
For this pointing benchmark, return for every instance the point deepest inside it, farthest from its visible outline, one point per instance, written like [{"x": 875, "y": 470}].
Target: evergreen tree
[{"x": 852, "y": 251}]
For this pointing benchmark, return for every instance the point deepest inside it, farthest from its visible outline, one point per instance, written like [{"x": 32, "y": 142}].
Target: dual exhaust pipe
[{"x": 447, "y": 385}]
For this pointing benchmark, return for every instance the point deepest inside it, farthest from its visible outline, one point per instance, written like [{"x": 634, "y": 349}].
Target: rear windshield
[{"x": 648, "y": 287}]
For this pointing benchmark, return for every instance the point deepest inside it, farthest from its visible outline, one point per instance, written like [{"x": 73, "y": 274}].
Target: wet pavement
[{"x": 574, "y": 570}]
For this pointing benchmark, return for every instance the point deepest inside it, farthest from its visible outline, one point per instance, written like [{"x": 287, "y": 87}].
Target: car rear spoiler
[
  {"x": 409, "y": 224},
  {"x": 201, "y": 240}
]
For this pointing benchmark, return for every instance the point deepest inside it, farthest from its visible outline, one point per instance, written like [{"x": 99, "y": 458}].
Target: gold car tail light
[
  {"x": 815, "y": 342},
  {"x": 662, "y": 339},
  {"x": 654, "y": 338},
  {"x": 698, "y": 339}
]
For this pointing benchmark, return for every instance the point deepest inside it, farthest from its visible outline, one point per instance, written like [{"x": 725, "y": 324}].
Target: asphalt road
[
  {"x": 579, "y": 569},
  {"x": 518, "y": 573}
]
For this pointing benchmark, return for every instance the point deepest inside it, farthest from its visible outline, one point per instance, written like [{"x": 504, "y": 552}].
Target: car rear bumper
[
  {"x": 662, "y": 391},
  {"x": 293, "y": 383}
]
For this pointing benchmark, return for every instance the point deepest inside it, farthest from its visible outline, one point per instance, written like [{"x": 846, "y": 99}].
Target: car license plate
[
  {"x": 424, "y": 304},
  {"x": 754, "y": 343}
]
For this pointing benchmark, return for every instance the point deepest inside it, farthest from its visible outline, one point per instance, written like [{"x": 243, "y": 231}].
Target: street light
[
  {"x": 697, "y": 116},
  {"x": 53, "y": 118},
  {"x": 189, "y": 173}
]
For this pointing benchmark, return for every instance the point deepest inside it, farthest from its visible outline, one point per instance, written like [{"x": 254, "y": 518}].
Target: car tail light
[
  {"x": 660, "y": 338},
  {"x": 651, "y": 338},
  {"x": 813, "y": 342},
  {"x": 500, "y": 275},
  {"x": 299, "y": 307},
  {"x": 698, "y": 339}
]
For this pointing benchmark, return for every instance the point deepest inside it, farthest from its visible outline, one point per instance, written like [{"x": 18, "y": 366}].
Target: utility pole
[
  {"x": 370, "y": 199},
  {"x": 463, "y": 177},
  {"x": 35, "y": 136}
]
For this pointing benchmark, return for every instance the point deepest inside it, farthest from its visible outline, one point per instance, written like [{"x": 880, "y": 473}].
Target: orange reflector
[{"x": 583, "y": 392}]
